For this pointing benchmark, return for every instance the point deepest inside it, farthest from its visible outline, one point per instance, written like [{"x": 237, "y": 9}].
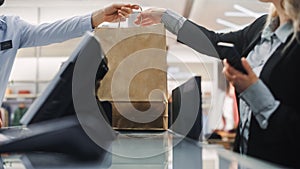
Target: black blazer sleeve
[{"x": 205, "y": 41}]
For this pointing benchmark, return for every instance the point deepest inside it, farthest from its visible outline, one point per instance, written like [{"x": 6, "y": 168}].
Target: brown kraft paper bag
[{"x": 136, "y": 83}]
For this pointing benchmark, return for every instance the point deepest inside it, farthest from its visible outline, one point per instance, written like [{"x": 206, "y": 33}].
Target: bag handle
[{"x": 141, "y": 10}]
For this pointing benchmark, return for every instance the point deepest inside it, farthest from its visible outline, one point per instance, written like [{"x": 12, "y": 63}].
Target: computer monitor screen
[
  {"x": 56, "y": 100},
  {"x": 186, "y": 110}
]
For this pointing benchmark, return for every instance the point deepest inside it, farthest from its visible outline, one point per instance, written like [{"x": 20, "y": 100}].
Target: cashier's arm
[{"x": 65, "y": 29}]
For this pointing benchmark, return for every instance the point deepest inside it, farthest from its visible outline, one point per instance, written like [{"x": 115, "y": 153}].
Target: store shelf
[{"x": 20, "y": 96}]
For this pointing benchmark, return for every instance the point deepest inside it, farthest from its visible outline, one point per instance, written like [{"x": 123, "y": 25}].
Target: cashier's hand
[
  {"x": 112, "y": 13},
  {"x": 150, "y": 16},
  {"x": 238, "y": 79}
]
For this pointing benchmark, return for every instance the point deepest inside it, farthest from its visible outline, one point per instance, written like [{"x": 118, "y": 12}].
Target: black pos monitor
[
  {"x": 56, "y": 100},
  {"x": 186, "y": 110},
  {"x": 1, "y": 2},
  {"x": 51, "y": 122}
]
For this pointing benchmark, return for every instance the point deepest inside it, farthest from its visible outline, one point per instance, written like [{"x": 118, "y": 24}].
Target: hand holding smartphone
[{"x": 232, "y": 55}]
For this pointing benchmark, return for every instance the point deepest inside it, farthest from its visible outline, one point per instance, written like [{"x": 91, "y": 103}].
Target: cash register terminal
[{"x": 51, "y": 124}]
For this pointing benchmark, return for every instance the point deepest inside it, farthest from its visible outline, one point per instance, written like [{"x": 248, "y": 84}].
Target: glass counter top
[{"x": 136, "y": 150}]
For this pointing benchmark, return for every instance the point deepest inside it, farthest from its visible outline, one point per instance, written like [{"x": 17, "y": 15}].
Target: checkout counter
[{"x": 135, "y": 150}]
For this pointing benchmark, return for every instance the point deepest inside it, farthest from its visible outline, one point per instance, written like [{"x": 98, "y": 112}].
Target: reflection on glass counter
[{"x": 135, "y": 150}]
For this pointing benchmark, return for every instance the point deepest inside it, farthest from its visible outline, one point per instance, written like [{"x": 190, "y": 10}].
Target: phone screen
[{"x": 228, "y": 51}]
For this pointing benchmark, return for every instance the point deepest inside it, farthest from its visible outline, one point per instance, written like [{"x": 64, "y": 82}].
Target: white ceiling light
[{"x": 242, "y": 12}]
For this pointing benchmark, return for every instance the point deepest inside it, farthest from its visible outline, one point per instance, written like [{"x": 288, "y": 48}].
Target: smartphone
[{"x": 232, "y": 55}]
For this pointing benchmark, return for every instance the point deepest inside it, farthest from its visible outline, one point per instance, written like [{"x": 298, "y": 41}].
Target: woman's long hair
[{"x": 292, "y": 8}]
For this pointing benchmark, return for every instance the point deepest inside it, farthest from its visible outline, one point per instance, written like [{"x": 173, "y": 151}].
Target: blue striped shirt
[{"x": 23, "y": 34}]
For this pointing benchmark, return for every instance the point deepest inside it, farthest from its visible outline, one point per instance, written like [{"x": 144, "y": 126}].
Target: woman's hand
[
  {"x": 150, "y": 16},
  {"x": 239, "y": 80},
  {"x": 112, "y": 13}
]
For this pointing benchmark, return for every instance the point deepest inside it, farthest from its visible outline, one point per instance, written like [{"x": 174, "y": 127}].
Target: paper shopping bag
[{"x": 136, "y": 83}]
